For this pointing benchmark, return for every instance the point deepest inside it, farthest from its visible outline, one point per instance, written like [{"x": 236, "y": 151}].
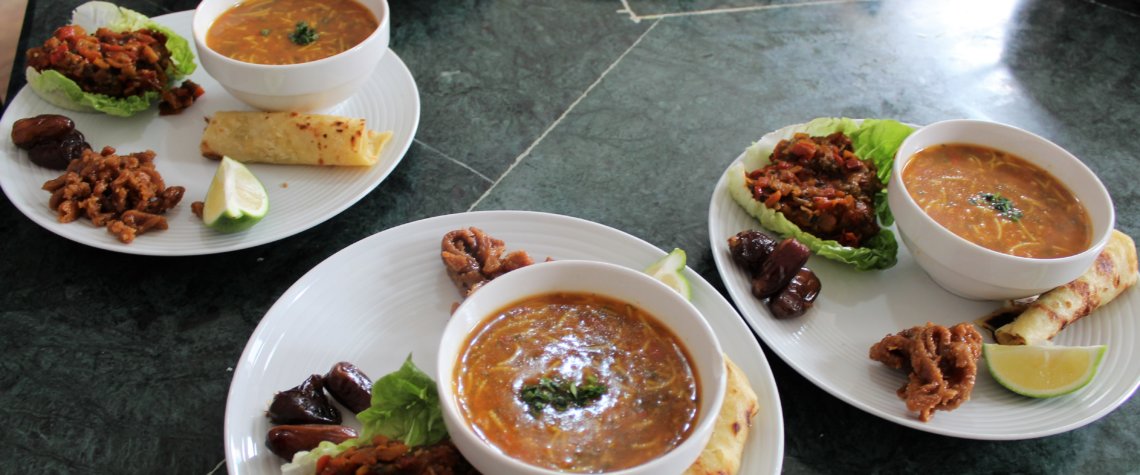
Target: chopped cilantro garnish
[
  {"x": 304, "y": 34},
  {"x": 561, "y": 394},
  {"x": 1004, "y": 206}
]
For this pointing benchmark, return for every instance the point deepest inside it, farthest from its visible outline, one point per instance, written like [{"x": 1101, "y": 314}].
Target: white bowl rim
[
  {"x": 704, "y": 426},
  {"x": 1093, "y": 248},
  {"x": 200, "y": 37}
]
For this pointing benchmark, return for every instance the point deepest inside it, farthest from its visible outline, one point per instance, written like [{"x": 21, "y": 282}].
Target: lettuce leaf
[
  {"x": 305, "y": 462},
  {"x": 878, "y": 140},
  {"x": 61, "y": 91},
  {"x": 873, "y": 139},
  {"x": 405, "y": 407}
]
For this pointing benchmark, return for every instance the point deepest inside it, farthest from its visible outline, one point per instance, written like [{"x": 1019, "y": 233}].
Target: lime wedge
[
  {"x": 1042, "y": 371},
  {"x": 236, "y": 199},
  {"x": 670, "y": 270}
]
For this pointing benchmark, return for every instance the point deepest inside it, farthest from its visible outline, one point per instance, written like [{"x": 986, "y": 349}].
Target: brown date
[
  {"x": 749, "y": 249},
  {"x": 350, "y": 386},
  {"x": 780, "y": 267},
  {"x": 797, "y": 297},
  {"x": 51, "y": 140},
  {"x": 304, "y": 404},
  {"x": 58, "y": 154},
  {"x": 289, "y": 439},
  {"x": 33, "y": 130}
]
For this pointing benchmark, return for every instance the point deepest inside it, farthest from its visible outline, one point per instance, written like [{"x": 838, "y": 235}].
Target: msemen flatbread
[
  {"x": 292, "y": 138},
  {"x": 725, "y": 449},
  {"x": 1113, "y": 271}
]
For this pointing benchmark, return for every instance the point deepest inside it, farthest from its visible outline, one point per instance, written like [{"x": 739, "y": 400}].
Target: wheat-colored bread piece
[{"x": 723, "y": 454}]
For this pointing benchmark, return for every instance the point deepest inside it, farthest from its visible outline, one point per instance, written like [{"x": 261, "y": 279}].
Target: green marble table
[{"x": 115, "y": 363}]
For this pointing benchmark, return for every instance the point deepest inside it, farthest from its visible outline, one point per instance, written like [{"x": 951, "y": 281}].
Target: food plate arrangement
[
  {"x": 388, "y": 296},
  {"x": 300, "y": 197},
  {"x": 829, "y": 344}
]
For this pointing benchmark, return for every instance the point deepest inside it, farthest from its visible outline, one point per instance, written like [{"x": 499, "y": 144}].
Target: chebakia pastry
[
  {"x": 1113, "y": 271},
  {"x": 473, "y": 258},
  {"x": 722, "y": 455},
  {"x": 942, "y": 364},
  {"x": 292, "y": 138}
]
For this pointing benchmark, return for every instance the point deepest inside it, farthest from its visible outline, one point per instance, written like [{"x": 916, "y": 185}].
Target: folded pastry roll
[
  {"x": 1113, "y": 271},
  {"x": 292, "y": 138},
  {"x": 723, "y": 454}
]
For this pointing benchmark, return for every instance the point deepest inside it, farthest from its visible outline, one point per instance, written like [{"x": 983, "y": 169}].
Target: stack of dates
[
  {"x": 777, "y": 271},
  {"x": 308, "y": 417},
  {"x": 52, "y": 141}
]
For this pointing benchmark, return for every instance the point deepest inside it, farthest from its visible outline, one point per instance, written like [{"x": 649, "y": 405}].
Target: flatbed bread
[
  {"x": 292, "y": 138},
  {"x": 1114, "y": 270},
  {"x": 723, "y": 454}
]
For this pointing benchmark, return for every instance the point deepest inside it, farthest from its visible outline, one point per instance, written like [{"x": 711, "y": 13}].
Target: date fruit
[
  {"x": 304, "y": 404},
  {"x": 797, "y": 297},
  {"x": 33, "y": 130},
  {"x": 349, "y": 386},
  {"x": 287, "y": 440},
  {"x": 749, "y": 249},
  {"x": 783, "y": 264}
]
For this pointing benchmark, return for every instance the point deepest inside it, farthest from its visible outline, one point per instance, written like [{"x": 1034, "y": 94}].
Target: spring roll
[
  {"x": 292, "y": 138},
  {"x": 1114, "y": 270}
]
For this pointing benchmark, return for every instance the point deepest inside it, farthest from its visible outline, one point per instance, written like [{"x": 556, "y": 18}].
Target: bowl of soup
[
  {"x": 579, "y": 367},
  {"x": 993, "y": 212},
  {"x": 291, "y": 55}
]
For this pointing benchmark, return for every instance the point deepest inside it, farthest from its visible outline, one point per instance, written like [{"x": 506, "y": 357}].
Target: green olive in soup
[
  {"x": 577, "y": 382},
  {"x": 290, "y": 31},
  {"x": 998, "y": 200}
]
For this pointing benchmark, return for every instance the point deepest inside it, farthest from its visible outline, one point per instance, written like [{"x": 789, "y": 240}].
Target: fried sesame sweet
[
  {"x": 942, "y": 364},
  {"x": 125, "y": 193}
]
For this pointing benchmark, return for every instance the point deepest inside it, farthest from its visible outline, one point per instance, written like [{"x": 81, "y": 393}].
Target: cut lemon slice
[
  {"x": 236, "y": 199},
  {"x": 670, "y": 270},
  {"x": 1042, "y": 371}
]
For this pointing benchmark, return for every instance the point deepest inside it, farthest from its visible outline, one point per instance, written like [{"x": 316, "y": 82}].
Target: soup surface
[
  {"x": 649, "y": 393},
  {"x": 289, "y": 31},
  {"x": 998, "y": 200}
]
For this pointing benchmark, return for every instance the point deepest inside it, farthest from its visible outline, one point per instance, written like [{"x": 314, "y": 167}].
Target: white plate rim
[
  {"x": 722, "y": 207},
  {"x": 736, "y": 339},
  {"x": 397, "y": 78}
]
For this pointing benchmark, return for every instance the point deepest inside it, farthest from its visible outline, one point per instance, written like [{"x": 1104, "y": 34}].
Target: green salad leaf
[
  {"x": 305, "y": 462},
  {"x": 61, "y": 91},
  {"x": 877, "y": 140},
  {"x": 405, "y": 407},
  {"x": 873, "y": 139}
]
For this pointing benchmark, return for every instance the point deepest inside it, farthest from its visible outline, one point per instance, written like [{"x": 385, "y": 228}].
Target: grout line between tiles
[
  {"x": 628, "y": 9},
  {"x": 457, "y": 162},
  {"x": 633, "y": 16},
  {"x": 1111, "y": 7},
  {"x": 558, "y": 121}
]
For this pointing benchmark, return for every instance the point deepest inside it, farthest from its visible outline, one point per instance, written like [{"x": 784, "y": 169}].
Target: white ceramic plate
[
  {"x": 830, "y": 344},
  {"x": 388, "y": 295},
  {"x": 299, "y": 197}
]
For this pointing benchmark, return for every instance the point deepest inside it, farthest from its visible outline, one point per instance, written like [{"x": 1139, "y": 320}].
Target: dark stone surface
[
  {"x": 494, "y": 75},
  {"x": 652, "y": 9},
  {"x": 116, "y": 363}
]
